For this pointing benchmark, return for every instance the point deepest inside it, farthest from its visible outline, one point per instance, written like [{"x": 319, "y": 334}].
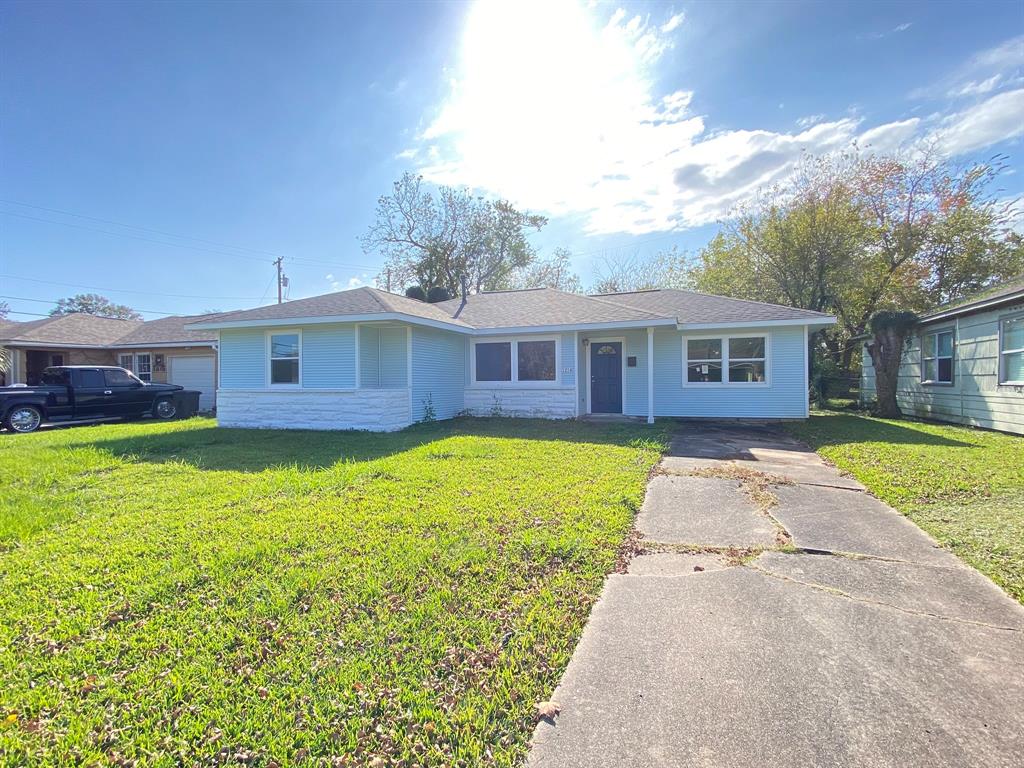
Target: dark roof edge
[{"x": 978, "y": 305}]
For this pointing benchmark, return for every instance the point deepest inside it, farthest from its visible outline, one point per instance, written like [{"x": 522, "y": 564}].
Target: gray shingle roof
[
  {"x": 538, "y": 307},
  {"x": 81, "y": 329},
  {"x": 168, "y": 330},
  {"x": 358, "y": 301},
  {"x": 692, "y": 307},
  {"x": 92, "y": 331},
  {"x": 1006, "y": 291},
  {"x": 535, "y": 307}
]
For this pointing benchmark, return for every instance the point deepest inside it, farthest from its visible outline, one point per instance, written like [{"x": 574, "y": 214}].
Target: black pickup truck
[{"x": 83, "y": 393}]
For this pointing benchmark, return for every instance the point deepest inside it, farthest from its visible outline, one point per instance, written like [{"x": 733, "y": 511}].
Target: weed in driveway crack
[{"x": 758, "y": 488}]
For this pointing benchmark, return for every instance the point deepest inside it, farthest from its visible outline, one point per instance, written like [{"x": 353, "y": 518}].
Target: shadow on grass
[
  {"x": 828, "y": 429},
  {"x": 254, "y": 450}
]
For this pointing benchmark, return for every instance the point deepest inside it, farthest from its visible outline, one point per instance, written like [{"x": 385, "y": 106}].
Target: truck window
[
  {"x": 90, "y": 377},
  {"x": 54, "y": 378},
  {"x": 115, "y": 377}
]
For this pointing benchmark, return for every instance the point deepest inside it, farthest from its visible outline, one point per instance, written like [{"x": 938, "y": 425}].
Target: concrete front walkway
[{"x": 823, "y": 630}]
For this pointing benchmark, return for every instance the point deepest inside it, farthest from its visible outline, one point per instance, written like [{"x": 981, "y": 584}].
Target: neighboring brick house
[{"x": 155, "y": 350}]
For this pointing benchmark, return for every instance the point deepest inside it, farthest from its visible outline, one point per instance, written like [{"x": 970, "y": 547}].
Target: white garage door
[{"x": 194, "y": 373}]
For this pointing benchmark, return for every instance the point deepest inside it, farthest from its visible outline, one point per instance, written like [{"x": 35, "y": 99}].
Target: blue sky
[{"x": 164, "y": 154}]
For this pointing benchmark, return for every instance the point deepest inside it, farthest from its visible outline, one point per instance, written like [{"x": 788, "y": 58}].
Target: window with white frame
[
  {"x": 519, "y": 360},
  {"x": 937, "y": 358},
  {"x": 1011, "y": 350},
  {"x": 284, "y": 359},
  {"x": 726, "y": 359},
  {"x": 144, "y": 366},
  {"x": 127, "y": 361}
]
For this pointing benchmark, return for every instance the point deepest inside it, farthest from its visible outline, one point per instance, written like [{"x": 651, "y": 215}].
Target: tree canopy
[
  {"x": 852, "y": 235},
  {"x": 432, "y": 237},
  {"x": 94, "y": 304}
]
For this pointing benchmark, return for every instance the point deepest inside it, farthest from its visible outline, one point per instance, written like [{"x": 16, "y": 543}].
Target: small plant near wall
[
  {"x": 429, "y": 414},
  {"x": 496, "y": 406}
]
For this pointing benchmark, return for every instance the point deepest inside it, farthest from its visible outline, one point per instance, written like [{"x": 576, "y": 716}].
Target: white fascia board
[
  {"x": 507, "y": 330},
  {"x": 331, "y": 319},
  {"x": 817, "y": 322},
  {"x": 163, "y": 344}
]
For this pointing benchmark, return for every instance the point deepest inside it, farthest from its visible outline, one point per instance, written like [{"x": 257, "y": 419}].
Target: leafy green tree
[
  {"x": 432, "y": 237},
  {"x": 853, "y": 235},
  {"x": 94, "y": 304}
]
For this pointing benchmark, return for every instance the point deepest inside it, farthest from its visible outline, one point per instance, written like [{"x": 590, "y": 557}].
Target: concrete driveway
[{"x": 781, "y": 616}]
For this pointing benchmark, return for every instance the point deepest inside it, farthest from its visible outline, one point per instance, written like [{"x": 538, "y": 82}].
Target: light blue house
[{"x": 368, "y": 359}]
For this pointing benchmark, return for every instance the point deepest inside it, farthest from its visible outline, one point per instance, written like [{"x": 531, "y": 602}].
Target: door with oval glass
[{"x": 606, "y": 377}]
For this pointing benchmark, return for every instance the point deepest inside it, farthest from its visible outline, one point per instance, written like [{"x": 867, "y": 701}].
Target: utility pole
[
  {"x": 279, "y": 275},
  {"x": 387, "y": 273}
]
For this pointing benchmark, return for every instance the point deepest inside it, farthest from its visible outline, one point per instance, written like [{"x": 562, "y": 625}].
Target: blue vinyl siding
[
  {"x": 438, "y": 372},
  {"x": 328, "y": 357},
  {"x": 369, "y": 363},
  {"x": 392, "y": 364},
  {"x": 634, "y": 398},
  {"x": 382, "y": 357},
  {"x": 243, "y": 359},
  {"x": 784, "y": 397}
]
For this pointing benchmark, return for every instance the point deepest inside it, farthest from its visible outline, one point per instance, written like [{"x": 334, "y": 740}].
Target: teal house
[{"x": 369, "y": 359}]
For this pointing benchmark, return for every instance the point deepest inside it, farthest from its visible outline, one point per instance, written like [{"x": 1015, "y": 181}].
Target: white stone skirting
[
  {"x": 376, "y": 410},
  {"x": 536, "y": 402}
]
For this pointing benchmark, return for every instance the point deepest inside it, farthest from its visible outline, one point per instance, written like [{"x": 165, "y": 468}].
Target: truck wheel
[
  {"x": 23, "y": 419},
  {"x": 165, "y": 409}
]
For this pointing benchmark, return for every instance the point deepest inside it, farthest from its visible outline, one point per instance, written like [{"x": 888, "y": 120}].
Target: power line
[
  {"x": 141, "y": 229},
  {"x": 126, "y": 290},
  {"x": 296, "y": 259},
  {"x": 50, "y": 301}
]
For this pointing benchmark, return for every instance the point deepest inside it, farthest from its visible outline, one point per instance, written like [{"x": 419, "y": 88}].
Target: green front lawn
[
  {"x": 177, "y": 594},
  {"x": 964, "y": 486}
]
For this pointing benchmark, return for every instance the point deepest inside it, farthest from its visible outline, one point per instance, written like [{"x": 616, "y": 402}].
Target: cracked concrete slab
[
  {"x": 901, "y": 656},
  {"x": 803, "y": 473},
  {"x": 676, "y": 510},
  {"x": 955, "y": 592},
  {"x": 738, "y": 668},
  {"x": 676, "y": 564},
  {"x": 844, "y": 521}
]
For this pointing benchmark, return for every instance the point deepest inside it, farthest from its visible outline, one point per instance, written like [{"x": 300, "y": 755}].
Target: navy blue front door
[{"x": 606, "y": 377}]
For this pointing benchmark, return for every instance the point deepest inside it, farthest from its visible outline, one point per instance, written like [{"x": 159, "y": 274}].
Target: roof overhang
[
  {"x": 813, "y": 323},
  {"x": 329, "y": 319},
  {"x": 564, "y": 327},
  {"x": 978, "y": 306},
  {"x": 52, "y": 345},
  {"x": 162, "y": 344}
]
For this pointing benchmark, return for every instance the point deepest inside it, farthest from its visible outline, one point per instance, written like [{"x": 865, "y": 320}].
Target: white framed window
[
  {"x": 1011, "y": 350},
  {"x": 139, "y": 363},
  {"x": 527, "y": 361},
  {"x": 937, "y": 357},
  {"x": 144, "y": 366},
  {"x": 284, "y": 352},
  {"x": 720, "y": 360}
]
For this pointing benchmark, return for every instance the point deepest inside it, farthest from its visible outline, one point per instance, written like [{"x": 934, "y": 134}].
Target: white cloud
[
  {"x": 1001, "y": 66},
  {"x": 673, "y": 23},
  {"x": 890, "y": 136},
  {"x": 573, "y": 124},
  {"x": 809, "y": 120},
  {"x": 355, "y": 282},
  {"x": 999, "y": 118}
]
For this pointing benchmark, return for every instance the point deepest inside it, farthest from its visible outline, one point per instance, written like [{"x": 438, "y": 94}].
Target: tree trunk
[{"x": 886, "y": 352}]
